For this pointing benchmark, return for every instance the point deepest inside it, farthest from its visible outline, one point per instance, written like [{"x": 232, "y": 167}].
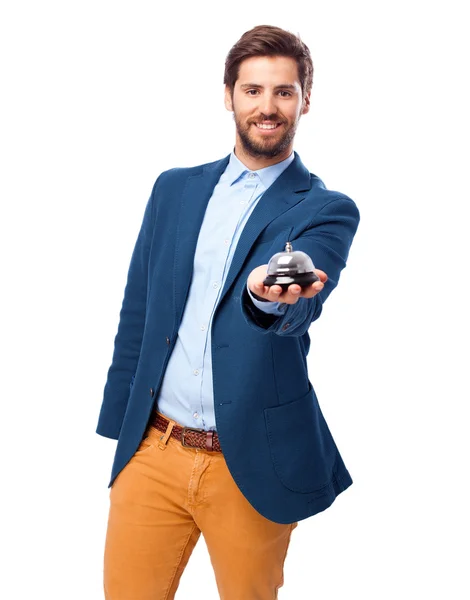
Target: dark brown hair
[{"x": 266, "y": 40}]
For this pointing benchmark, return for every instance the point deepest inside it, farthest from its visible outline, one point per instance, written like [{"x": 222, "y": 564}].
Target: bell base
[{"x": 302, "y": 279}]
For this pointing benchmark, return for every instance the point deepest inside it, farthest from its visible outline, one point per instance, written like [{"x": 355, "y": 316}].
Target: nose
[{"x": 268, "y": 106}]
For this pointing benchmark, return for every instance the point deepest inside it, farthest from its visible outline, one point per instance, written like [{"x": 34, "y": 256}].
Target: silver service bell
[{"x": 289, "y": 267}]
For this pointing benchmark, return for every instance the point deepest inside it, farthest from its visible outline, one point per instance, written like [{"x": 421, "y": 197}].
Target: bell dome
[{"x": 289, "y": 267}]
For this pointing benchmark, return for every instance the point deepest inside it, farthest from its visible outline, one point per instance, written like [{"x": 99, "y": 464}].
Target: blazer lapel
[
  {"x": 195, "y": 198},
  {"x": 283, "y": 194}
]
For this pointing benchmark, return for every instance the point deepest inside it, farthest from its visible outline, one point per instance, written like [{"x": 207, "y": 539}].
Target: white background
[{"x": 97, "y": 99}]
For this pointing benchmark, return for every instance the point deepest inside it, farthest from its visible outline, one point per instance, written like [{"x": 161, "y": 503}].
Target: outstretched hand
[{"x": 275, "y": 293}]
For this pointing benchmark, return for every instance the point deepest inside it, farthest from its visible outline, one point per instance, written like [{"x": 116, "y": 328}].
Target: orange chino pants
[{"x": 161, "y": 502}]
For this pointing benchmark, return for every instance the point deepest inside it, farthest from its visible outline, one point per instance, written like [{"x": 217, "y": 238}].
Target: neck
[{"x": 254, "y": 163}]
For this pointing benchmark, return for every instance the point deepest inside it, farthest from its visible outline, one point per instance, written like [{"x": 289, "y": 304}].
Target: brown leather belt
[{"x": 188, "y": 436}]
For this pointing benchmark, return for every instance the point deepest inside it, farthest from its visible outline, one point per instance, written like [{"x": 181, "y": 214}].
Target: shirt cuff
[{"x": 270, "y": 308}]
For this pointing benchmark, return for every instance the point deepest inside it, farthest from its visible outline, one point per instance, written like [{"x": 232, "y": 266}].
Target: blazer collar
[{"x": 295, "y": 178}]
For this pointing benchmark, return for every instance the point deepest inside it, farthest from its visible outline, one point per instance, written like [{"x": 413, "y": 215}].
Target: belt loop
[
  {"x": 166, "y": 435},
  {"x": 210, "y": 441}
]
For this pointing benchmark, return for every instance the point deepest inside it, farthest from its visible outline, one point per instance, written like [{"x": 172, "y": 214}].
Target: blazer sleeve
[
  {"x": 128, "y": 340},
  {"x": 327, "y": 241}
]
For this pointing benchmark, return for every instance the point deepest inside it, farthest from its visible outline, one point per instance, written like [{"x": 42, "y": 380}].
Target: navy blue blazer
[{"x": 275, "y": 440}]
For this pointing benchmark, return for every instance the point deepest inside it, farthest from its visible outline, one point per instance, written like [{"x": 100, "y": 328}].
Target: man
[{"x": 218, "y": 426}]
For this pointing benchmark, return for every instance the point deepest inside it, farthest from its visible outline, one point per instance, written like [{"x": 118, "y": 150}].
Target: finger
[
  {"x": 313, "y": 290},
  {"x": 292, "y": 294},
  {"x": 270, "y": 293},
  {"x": 294, "y": 290},
  {"x": 323, "y": 276},
  {"x": 261, "y": 289},
  {"x": 274, "y": 292}
]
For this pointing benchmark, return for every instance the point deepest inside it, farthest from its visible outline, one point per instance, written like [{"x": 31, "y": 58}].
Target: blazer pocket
[{"x": 302, "y": 448}]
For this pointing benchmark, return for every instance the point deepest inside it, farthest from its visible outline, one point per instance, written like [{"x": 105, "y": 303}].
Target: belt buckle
[{"x": 183, "y": 432}]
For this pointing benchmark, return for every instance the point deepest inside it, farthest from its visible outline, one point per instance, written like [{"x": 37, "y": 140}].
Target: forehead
[{"x": 268, "y": 70}]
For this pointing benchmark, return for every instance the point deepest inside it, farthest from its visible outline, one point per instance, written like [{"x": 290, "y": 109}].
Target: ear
[
  {"x": 306, "y": 104},
  {"x": 228, "y": 99}
]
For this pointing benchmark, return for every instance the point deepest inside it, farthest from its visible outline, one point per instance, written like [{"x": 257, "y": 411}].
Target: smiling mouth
[{"x": 267, "y": 126}]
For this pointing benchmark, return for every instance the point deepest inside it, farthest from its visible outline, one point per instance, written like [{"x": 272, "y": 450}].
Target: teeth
[{"x": 266, "y": 126}]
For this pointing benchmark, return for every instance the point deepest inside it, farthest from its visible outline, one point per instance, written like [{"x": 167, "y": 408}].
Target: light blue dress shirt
[{"x": 186, "y": 394}]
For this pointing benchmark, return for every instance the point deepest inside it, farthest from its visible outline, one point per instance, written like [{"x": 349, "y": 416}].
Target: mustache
[{"x": 272, "y": 117}]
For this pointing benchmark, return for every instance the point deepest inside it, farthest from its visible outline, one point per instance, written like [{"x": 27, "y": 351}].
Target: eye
[
  {"x": 285, "y": 94},
  {"x": 252, "y": 92}
]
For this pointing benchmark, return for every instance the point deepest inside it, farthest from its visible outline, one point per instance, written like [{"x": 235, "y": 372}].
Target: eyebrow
[{"x": 285, "y": 86}]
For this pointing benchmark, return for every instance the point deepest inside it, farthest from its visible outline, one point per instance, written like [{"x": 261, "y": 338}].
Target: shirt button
[
  {"x": 168, "y": 341},
  {"x": 195, "y": 372},
  {"x": 242, "y": 202},
  {"x": 284, "y": 327},
  {"x": 151, "y": 391},
  {"x": 215, "y": 285},
  {"x": 203, "y": 327},
  {"x": 226, "y": 241},
  {"x": 195, "y": 415},
  {"x": 252, "y": 175}
]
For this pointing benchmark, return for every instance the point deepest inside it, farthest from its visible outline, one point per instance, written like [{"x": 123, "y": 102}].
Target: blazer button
[
  {"x": 151, "y": 391},
  {"x": 284, "y": 327},
  {"x": 168, "y": 341}
]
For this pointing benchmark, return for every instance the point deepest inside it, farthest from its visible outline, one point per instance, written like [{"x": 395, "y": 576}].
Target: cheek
[
  {"x": 242, "y": 113},
  {"x": 293, "y": 112},
  {"x": 293, "y": 116}
]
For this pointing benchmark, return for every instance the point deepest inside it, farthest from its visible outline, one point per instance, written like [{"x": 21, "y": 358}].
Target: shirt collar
[{"x": 268, "y": 175}]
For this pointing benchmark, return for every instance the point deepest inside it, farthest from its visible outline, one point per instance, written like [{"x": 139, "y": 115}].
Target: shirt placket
[{"x": 225, "y": 242}]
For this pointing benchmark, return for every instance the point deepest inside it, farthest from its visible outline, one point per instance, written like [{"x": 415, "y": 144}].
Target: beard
[{"x": 268, "y": 147}]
